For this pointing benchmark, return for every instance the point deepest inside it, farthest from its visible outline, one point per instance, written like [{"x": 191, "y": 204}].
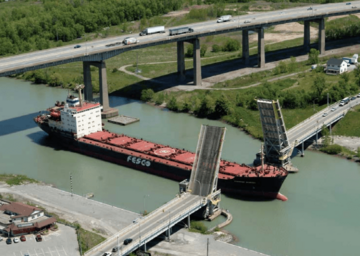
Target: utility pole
[
  {"x": 71, "y": 187},
  {"x": 207, "y": 247},
  {"x": 328, "y": 99}
]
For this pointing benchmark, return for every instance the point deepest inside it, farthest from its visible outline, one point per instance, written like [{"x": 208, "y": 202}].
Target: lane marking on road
[{"x": 64, "y": 250}]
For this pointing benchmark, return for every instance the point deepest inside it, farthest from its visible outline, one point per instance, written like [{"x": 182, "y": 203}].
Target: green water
[{"x": 321, "y": 216}]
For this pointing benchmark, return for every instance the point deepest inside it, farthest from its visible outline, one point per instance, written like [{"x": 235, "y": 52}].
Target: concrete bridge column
[
  {"x": 261, "y": 48},
  {"x": 107, "y": 112},
  {"x": 307, "y": 35},
  {"x": 302, "y": 150},
  {"x": 245, "y": 46},
  {"x": 180, "y": 60},
  {"x": 321, "y": 42},
  {"x": 88, "y": 91},
  {"x": 197, "y": 62},
  {"x": 188, "y": 220}
]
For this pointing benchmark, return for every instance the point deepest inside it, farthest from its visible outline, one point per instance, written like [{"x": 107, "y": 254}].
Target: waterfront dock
[{"x": 123, "y": 120}]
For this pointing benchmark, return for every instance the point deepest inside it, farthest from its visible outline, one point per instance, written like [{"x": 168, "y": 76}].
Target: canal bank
[{"x": 322, "y": 196}]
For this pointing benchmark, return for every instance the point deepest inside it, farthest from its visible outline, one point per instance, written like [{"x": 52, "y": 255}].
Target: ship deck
[{"x": 173, "y": 156}]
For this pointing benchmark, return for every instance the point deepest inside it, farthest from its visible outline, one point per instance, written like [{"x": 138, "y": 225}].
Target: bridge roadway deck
[
  {"x": 152, "y": 225},
  {"x": 309, "y": 127},
  {"x": 96, "y": 50}
]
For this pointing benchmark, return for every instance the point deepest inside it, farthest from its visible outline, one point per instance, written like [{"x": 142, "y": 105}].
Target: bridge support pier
[
  {"x": 307, "y": 35},
  {"x": 261, "y": 48},
  {"x": 180, "y": 60},
  {"x": 188, "y": 220},
  {"x": 245, "y": 46},
  {"x": 144, "y": 247},
  {"x": 196, "y": 62},
  {"x": 88, "y": 90},
  {"x": 330, "y": 128},
  {"x": 321, "y": 42},
  {"x": 107, "y": 112},
  {"x": 302, "y": 150}
]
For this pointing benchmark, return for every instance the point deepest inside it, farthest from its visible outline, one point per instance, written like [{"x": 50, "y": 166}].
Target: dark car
[
  {"x": 8, "y": 241},
  {"x": 127, "y": 241},
  {"x": 38, "y": 238},
  {"x": 348, "y": 3},
  {"x": 22, "y": 238},
  {"x": 353, "y": 98},
  {"x": 116, "y": 248},
  {"x": 77, "y": 46}
]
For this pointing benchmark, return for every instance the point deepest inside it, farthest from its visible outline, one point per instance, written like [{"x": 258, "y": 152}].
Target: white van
[
  {"x": 130, "y": 40},
  {"x": 344, "y": 101}
]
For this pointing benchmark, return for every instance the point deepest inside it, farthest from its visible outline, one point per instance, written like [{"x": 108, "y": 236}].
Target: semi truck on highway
[
  {"x": 224, "y": 18},
  {"x": 130, "y": 40},
  {"x": 178, "y": 31},
  {"x": 152, "y": 30}
]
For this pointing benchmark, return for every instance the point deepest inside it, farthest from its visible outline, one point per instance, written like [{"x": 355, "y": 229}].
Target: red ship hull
[{"x": 175, "y": 168}]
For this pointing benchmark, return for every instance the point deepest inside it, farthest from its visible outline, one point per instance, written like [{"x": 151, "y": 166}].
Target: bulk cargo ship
[{"x": 77, "y": 125}]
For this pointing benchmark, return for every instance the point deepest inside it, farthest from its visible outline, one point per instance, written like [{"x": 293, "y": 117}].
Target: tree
[
  {"x": 313, "y": 56},
  {"x": 222, "y": 107},
  {"x": 173, "y": 105},
  {"x": 216, "y": 48},
  {"x": 55, "y": 80},
  {"x": 203, "y": 50},
  {"x": 345, "y": 76},
  {"x": 231, "y": 45},
  {"x": 147, "y": 95},
  {"x": 318, "y": 85},
  {"x": 189, "y": 51}
]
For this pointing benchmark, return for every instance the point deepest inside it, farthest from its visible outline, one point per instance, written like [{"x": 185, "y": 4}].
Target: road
[
  {"x": 69, "y": 53},
  {"x": 309, "y": 126},
  {"x": 162, "y": 217}
]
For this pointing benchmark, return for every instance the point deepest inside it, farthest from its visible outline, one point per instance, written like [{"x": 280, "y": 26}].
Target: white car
[
  {"x": 334, "y": 108},
  {"x": 325, "y": 114},
  {"x": 16, "y": 240},
  {"x": 106, "y": 254},
  {"x": 358, "y": 95}
]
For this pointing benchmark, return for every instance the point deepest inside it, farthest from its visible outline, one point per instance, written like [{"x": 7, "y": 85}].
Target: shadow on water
[
  {"x": 43, "y": 139},
  {"x": 17, "y": 124}
]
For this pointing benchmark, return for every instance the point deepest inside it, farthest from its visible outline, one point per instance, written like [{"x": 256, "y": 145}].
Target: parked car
[
  {"x": 16, "y": 240},
  {"x": 325, "y": 114},
  {"x": 127, "y": 241},
  {"x": 23, "y": 238},
  {"x": 8, "y": 241},
  {"x": 77, "y": 46},
  {"x": 38, "y": 238}
]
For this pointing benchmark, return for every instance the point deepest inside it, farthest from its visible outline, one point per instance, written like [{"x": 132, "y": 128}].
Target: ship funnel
[{"x": 79, "y": 88}]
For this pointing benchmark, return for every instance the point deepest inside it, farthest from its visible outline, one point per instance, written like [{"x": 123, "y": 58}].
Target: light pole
[
  {"x": 118, "y": 246},
  {"x": 144, "y": 203}
]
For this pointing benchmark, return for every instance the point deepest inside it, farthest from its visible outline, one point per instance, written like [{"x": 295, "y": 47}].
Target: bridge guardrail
[{"x": 159, "y": 230}]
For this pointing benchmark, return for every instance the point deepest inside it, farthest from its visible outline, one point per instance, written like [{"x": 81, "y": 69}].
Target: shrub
[
  {"x": 216, "y": 48},
  {"x": 147, "y": 95},
  {"x": 332, "y": 149},
  {"x": 173, "y": 105},
  {"x": 231, "y": 45},
  {"x": 203, "y": 50},
  {"x": 189, "y": 51}
]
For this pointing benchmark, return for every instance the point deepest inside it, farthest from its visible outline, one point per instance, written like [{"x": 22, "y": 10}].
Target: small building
[
  {"x": 17, "y": 219},
  {"x": 336, "y": 66}
]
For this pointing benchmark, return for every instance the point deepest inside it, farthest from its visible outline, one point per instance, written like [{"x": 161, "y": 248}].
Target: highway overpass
[{"x": 95, "y": 52}]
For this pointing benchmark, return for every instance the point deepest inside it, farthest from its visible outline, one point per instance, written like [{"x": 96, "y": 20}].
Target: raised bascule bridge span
[
  {"x": 198, "y": 194},
  {"x": 96, "y": 52},
  {"x": 279, "y": 143}
]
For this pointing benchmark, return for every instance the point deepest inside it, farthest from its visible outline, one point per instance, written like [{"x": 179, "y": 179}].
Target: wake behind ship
[{"x": 77, "y": 125}]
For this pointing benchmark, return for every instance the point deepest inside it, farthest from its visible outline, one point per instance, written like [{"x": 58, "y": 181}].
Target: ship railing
[{"x": 164, "y": 226}]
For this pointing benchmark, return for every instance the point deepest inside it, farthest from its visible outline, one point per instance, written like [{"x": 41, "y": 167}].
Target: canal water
[{"x": 321, "y": 216}]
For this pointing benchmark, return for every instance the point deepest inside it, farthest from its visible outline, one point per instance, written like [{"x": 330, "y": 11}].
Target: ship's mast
[{"x": 79, "y": 88}]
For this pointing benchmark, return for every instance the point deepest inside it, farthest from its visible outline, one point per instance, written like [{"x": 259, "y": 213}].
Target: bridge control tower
[{"x": 277, "y": 148}]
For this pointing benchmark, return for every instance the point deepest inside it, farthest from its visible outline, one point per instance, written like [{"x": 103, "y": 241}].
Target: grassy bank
[{"x": 15, "y": 179}]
